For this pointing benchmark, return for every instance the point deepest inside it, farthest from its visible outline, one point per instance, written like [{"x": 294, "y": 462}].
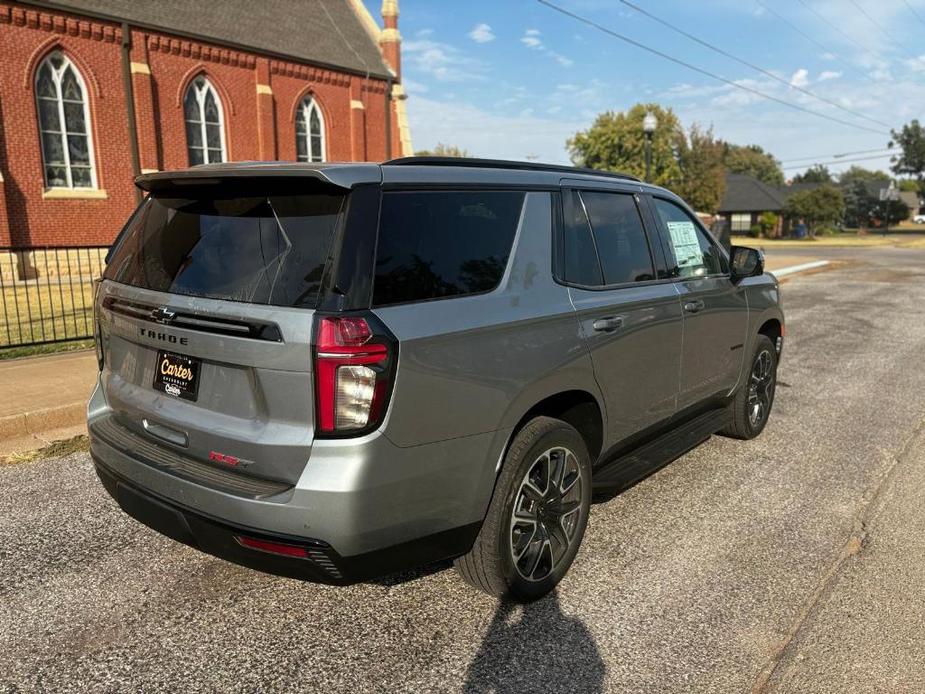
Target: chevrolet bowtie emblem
[{"x": 163, "y": 314}]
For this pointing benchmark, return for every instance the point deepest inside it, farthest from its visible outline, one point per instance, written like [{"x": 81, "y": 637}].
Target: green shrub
[
  {"x": 755, "y": 231},
  {"x": 768, "y": 223}
]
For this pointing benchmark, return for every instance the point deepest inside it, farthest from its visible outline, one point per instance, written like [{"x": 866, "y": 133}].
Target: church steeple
[{"x": 389, "y": 38}]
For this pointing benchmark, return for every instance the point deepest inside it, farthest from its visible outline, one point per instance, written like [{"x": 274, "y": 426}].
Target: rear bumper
[
  {"x": 364, "y": 506},
  {"x": 322, "y": 563}
]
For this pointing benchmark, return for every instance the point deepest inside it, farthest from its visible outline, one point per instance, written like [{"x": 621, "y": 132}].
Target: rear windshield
[
  {"x": 261, "y": 249},
  {"x": 434, "y": 245}
]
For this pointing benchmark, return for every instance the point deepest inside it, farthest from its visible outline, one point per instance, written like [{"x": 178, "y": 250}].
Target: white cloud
[
  {"x": 412, "y": 87},
  {"x": 917, "y": 63},
  {"x": 488, "y": 134},
  {"x": 441, "y": 61},
  {"x": 531, "y": 39},
  {"x": 829, "y": 75},
  {"x": 800, "y": 78},
  {"x": 482, "y": 33}
]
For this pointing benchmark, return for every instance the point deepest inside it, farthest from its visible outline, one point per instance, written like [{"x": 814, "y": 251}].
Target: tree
[
  {"x": 442, "y": 150},
  {"x": 911, "y": 139},
  {"x": 752, "y": 160},
  {"x": 908, "y": 185},
  {"x": 815, "y": 174},
  {"x": 767, "y": 222},
  {"x": 703, "y": 176},
  {"x": 859, "y": 203},
  {"x": 897, "y": 210},
  {"x": 617, "y": 142},
  {"x": 859, "y": 173},
  {"x": 819, "y": 206}
]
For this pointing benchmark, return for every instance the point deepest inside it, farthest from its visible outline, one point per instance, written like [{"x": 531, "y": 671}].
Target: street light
[{"x": 649, "y": 124}]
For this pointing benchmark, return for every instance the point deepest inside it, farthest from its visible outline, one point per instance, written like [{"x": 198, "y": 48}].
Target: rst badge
[{"x": 177, "y": 375}]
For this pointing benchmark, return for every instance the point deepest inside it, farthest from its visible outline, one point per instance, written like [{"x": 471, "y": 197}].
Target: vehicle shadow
[{"x": 542, "y": 650}]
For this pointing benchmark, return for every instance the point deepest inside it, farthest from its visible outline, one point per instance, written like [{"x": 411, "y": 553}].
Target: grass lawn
[
  {"x": 844, "y": 240},
  {"x": 38, "y": 350},
  {"x": 40, "y": 312}
]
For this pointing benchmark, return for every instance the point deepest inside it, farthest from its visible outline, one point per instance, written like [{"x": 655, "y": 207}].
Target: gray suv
[{"x": 341, "y": 371}]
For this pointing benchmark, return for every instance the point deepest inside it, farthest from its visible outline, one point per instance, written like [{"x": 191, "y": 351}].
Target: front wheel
[
  {"x": 751, "y": 407},
  {"x": 537, "y": 516}
]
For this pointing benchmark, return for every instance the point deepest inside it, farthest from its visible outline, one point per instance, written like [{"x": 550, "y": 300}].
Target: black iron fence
[{"x": 47, "y": 293}]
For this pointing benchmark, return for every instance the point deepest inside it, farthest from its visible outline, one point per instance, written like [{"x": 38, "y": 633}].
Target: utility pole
[{"x": 649, "y": 124}]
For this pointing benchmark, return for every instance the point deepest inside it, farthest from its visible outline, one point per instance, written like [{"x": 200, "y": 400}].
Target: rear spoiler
[{"x": 343, "y": 176}]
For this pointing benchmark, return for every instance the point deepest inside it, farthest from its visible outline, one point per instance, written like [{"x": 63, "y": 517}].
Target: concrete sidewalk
[{"x": 44, "y": 399}]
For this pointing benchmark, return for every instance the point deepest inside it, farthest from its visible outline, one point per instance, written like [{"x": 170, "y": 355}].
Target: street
[{"x": 791, "y": 563}]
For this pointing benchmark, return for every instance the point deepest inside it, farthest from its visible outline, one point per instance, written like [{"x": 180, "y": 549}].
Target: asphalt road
[{"x": 791, "y": 563}]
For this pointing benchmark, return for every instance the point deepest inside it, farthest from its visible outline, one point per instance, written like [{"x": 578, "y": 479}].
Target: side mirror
[{"x": 746, "y": 262}]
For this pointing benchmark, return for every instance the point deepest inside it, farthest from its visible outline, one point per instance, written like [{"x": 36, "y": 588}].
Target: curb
[
  {"x": 802, "y": 267},
  {"x": 37, "y": 422}
]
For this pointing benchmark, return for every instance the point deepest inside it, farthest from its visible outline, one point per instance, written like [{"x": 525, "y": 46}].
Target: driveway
[{"x": 791, "y": 563}]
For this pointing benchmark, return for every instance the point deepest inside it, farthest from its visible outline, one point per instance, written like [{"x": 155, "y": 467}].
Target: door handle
[
  {"x": 607, "y": 325},
  {"x": 694, "y": 306}
]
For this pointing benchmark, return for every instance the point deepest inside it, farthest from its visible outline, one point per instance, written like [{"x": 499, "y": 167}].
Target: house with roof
[{"x": 746, "y": 199}]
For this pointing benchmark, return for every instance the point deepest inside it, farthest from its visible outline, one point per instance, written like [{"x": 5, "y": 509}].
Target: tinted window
[
  {"x": 694, "y": 254},
  {"x": 620, "y": 237},
  {"x": 261, "y": 249},
  {"x": 581, "y": 263},
  {"x": 442, "y": 244}
]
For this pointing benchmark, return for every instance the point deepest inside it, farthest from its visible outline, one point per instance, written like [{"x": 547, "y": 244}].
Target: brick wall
[{"x": 258, "y": 94}]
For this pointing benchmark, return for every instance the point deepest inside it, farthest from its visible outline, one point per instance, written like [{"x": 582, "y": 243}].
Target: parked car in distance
[
  {"x": 340, "y": 371},
  {"x": 919, "y": 219}
]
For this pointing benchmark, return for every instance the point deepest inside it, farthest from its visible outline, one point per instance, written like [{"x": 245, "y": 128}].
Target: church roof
[{"x": 322, "y": 32}]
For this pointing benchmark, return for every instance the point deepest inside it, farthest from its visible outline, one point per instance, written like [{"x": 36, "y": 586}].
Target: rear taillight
[
  {"x": 97, "y": 328},
  {"x": 354, "y": 365}
]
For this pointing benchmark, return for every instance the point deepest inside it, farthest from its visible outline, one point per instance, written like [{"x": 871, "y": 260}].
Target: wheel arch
[
  {"x": 773, "y": 329},
  {"x": 576, "y": 407}
]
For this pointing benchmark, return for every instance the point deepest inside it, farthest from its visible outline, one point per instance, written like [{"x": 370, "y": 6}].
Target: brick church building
[{"x": 95, "y": 92}]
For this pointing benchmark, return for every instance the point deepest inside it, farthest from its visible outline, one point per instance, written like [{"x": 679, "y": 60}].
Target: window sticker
[{"x": 686, "y": 247}]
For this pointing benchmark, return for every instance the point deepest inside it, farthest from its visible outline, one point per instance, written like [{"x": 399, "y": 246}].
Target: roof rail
[{"x": 502, "y": 164}]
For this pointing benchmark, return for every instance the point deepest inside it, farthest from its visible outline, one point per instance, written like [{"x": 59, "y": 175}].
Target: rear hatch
[{"x": 205, "y": 314}]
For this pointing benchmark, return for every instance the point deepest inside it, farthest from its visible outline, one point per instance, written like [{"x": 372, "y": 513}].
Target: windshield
[{"x": 263, "y": 249}]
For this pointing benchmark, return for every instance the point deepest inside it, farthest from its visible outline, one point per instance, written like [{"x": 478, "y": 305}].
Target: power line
[
  {"x": 763, "y": 71},
  {"x": 837, "y": 161},
  {"x": 794, "y": 27},
  {"x": 812, "y": 40},
  {"x": 825, "y": 21},
  {"x": 882, "y": 28},
  {"x": 914, "y": 12},
  {"x": 837, "y": 156},
  {"x": 712, "y": 75}
]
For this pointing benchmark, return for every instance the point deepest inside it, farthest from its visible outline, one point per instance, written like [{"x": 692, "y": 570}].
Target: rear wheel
[
  {"x": 751, "y": 406},
  {"x": 537, "y": 516}
]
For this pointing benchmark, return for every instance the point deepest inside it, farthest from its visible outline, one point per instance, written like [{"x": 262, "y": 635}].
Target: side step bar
[{"x": 629, "y": 467}]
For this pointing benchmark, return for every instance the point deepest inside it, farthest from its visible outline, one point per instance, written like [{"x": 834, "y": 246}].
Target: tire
[
  {"x": 757, "y": 391},
  {"x": 549, "y": 526}
]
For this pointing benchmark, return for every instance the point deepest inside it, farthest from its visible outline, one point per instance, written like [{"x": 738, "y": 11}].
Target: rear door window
[
  {"x": 620, "y": 237},
  {"x": 261, "y": 249},
  {"x": 582, "y": 266},
  {"x": 439, "y": 244}
]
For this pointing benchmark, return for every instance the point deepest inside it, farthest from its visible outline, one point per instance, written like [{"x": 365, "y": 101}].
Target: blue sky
[{"x": 513, "y": 78}]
